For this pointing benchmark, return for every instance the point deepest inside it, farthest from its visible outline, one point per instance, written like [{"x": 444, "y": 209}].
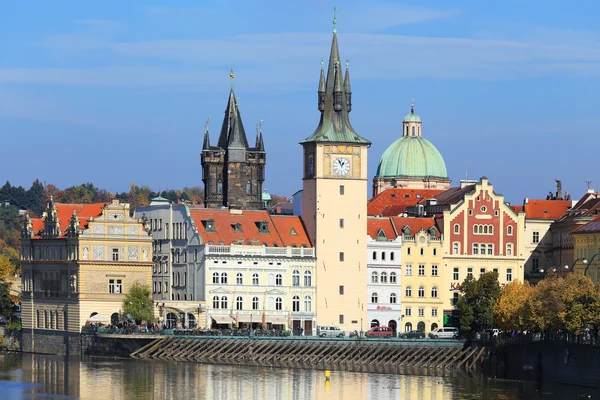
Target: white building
[{"x": 384, "y": 273}]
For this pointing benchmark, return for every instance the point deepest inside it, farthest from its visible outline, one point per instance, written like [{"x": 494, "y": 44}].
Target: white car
[
  {"x": 447, "y": 332},
  {"x": 330, "y": 331}
]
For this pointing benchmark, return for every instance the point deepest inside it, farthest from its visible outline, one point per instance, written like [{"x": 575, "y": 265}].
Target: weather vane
[
  {"x": 231, "y": 77},
  {"x": 206, "y": 125},
  {"x": 335, "y": 10}
]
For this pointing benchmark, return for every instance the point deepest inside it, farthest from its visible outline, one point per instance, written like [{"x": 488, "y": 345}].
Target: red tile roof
[
  {"x": 374, "y": 225},
  {"x": 393, "y": 201},
  {"x": 516, "y": 209},
  {"x": 279, "y": 233},
  {"x": 65, "y": 211},
  {"x": 416, "y": 224},
  {"x": 546, "y": 209}
]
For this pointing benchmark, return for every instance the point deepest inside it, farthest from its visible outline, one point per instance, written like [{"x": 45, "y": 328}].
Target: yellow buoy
[{"x": 327, "y": 375}]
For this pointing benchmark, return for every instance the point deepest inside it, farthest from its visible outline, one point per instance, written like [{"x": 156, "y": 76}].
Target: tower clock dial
[{"x": 341, "y": 166}]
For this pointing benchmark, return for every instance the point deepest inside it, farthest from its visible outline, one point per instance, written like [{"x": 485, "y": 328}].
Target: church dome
[
  {"x": 412, "y": 117},
  {"x": 412, "y": 157}
]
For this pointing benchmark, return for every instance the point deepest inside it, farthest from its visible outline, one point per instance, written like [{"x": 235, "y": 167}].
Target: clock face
[
  {"x": 311, "y": 166},
  {"x": 341, "y": 166}
]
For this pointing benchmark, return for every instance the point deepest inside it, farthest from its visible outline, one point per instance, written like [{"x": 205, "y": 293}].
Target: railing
[
  {"x": 507, "y": 338},
  {"x": 245, "y": 250}
]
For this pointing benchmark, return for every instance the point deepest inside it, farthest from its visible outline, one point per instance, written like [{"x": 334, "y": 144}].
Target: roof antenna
[{"x": 588, "y": 183}]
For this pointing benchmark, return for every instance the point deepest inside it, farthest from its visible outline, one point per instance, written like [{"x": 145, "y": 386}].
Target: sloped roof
[
  {"x": 65, "y": 211},
  {"x": 279, "y": 228},
  {"x": 588, "y": 206},
  {"x": 375, "y": 225},
  {"x": 453, "y": 195},
  {"x": 546, "y": 209},
  {"x": 416, "y": 224},
  {"x": 591, "y": 227},
  {"x": 393, "y": 201}
]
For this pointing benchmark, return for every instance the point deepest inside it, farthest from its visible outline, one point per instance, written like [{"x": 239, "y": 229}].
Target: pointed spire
[
  {"x": 322, "y": 89},
  {"x": 232, "y": 134},
  {"x": 348, "y": 89},
  {"x": 337, "y": 89},
  {"x": 412, "y": 106},
  {"x": 206, "y": 144}
]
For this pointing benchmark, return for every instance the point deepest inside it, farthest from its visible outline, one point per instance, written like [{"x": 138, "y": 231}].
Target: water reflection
[{"x": 35, "y": 376}]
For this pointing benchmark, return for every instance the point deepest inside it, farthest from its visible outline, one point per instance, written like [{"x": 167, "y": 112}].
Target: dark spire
[
  {"x": 321, "y": 90},
  {"x": 260, "y": 146},
  {"x": 348, "y": 89},
  {"x": 206, "y": 144},
  {"x": 232, "y": 134},
  {"x": 334, "y": 125}
]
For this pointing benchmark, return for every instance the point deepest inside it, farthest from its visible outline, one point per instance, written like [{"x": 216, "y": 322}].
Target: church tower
[
  {"x": 232, "y": 171},
  {"x": 334, "y": 202}
]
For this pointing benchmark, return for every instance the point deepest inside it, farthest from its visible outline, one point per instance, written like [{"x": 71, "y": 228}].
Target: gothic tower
[
  {"x": 232, "y": 171},
  {"x": 334, "y": 202}
]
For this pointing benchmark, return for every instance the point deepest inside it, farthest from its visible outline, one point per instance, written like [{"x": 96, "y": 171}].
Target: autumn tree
[
  {"x": 513, "y": 309},
  {"x": 6, "y": 305},
  {"x": 476, "y": 305},
  {"x": 138, "y": 303}
]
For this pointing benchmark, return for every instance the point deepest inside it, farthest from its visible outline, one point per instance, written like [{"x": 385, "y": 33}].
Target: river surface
[{"x": 29, "y": 376}]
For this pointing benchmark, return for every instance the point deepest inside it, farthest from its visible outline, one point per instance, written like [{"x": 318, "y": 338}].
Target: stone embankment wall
[{"x": 567, "y": 363}]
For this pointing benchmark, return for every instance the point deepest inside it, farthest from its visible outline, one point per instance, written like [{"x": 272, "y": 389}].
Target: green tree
[
  {"x": 35, "y": 197},
  {"x": 138, "y": 303},
  {"x": 476, "y": 305},
  {"x": 5, "y": 303}
]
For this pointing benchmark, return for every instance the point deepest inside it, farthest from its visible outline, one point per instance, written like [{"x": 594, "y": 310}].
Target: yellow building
[
  {"x": 334, "y": 202},
  {"x": 78, "y": 261},
  {"x": 422, "y": 273},
  {"x": 587, "y": 249}
]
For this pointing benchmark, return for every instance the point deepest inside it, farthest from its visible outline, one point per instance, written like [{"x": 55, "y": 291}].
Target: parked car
[
  {"x": 448, "y": 332},
  {"x": 380, "y": 332},
  {"x": 330, "y": 331},
  {"x": 413, "y": 335}
]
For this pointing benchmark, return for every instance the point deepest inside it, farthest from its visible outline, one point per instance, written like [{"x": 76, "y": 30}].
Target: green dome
[
  {"x": 412, "y": 117},
  {"x": 412, "y": 157}
]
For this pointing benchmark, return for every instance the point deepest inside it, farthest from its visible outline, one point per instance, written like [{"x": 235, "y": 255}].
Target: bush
[{"x": 13, "y": 326}]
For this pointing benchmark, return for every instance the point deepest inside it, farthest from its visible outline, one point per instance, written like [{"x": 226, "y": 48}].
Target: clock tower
[{"x": 334, "y": 202}]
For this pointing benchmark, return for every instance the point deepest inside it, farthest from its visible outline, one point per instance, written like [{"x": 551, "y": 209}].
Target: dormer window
[
  {"x": 393, "y": 195},
  {"x": 209, "y": 225},
  {"x": 406, "y": 231},
  {"x": 381, "y": 235},
  {"x": 432, "y": 232},
  {"x": 237, "y": 227},
  {"x": 263, "y": 226},
  {"x": 293, "y": 232}
]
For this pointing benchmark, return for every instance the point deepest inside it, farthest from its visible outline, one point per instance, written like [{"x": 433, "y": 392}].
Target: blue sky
[{"x": 113, "y": 92}]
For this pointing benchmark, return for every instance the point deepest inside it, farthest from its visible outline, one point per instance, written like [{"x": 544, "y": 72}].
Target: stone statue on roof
[{"x": 558, "y": 189}]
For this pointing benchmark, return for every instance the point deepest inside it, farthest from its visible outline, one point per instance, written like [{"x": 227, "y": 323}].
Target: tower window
[
  {"x": 413, "y": 131},
  {"x": 219, "y": 187},
  {"x": 341, "y": 222},
  {"x": 341, "y": 256},
  {"x": 342, "y": 190},
  {"x": 248, "y": 188}
]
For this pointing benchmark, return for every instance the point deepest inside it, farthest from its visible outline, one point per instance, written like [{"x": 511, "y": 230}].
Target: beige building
[
  {"x": 78, "y": 261},
  {"x": 334, "y": 203},
  {"x": 586, "y": 248}
]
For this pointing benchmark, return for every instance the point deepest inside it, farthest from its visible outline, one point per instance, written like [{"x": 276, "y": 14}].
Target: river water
[{"x": 28, "y": 376}]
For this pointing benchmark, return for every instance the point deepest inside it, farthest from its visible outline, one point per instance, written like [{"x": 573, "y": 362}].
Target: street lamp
[
  {"x": 590, "y": 263},
  {"x": 583, "y": 261}
]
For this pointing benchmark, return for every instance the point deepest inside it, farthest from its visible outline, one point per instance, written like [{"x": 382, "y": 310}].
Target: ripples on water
[{"x": 30, "y": 376}]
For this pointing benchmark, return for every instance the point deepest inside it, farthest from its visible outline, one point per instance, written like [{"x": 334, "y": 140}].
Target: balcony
[{"x": 245, "y": 250}]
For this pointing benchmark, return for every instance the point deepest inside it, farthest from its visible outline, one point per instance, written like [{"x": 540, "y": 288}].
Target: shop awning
[
  {"x": 249, "y": 318},
  {"x": 223, "y": 319},
  {"x": 277, "y": 320}
]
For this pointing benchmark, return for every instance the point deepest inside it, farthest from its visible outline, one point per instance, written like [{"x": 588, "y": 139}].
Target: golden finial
[
  {"x": 206, "y": 125},
  {"x": 412, "y": 106},
  {"x": 231, "y": 77}
]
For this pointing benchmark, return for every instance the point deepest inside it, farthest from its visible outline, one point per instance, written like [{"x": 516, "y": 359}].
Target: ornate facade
[
  {"x": 232, "y": 171},
  {"x": 78, "y": 261}
]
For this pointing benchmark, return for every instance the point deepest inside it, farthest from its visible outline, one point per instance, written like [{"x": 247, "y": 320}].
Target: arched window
[
  {"x": 278, "y": 280},
  {"x": 413, "y": 131},
  {"x": 216, "y": 302},
  {"x": 491, "y": 229},
  {"x": 456, "y": 228},
  {"x": 383, "y": 277},
  {"x": 454, "y": 248},
  {"x": 480, "y": 228},
  {"x": 434, "y": 292},
  {"x": 239, "y": 303},
  {"x": 255, "y": 279},
  {"x": 408, "y": 291},
  {"x": 374, "y": 277},
  {"x": 421, "y": 291},
  {"x": 482, "y": 249},
  {"x": 296, "y": 303},
  {"x": 374, "y": 298},
  {"x": 219, "y": 187},
  {"x": 215, "y": 277},
  {"x": 239, "y": 279},
  {"x": 255, "y": 303},
  {"x": 307, "y": 304},
  {"x": 383, "y": 256},
  {"x": 279, "y": 304},
  {"x": 475, "y": 248},
  {"x": 407, "y": 327},
  {"x": 475, "y": 229},
  {"x": 392, "y": 277},
  {"x": 485, "y": 229},
  {"x": 224, "y": 302},
  {"x": 374, "y": 323},
  {"x": 271, "y": 280},
  {"x": 248, "y": 188},
  {"x": 374, "y": 255},
  {"x": 307, "y": 278},
  {"x": 509, "y": 230},
  {"x": 296, "y": 278},
  {"x": 509, "y": 249},
  {"x": 223, "y": 277},
  {"x": 393, "y": 298}
]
